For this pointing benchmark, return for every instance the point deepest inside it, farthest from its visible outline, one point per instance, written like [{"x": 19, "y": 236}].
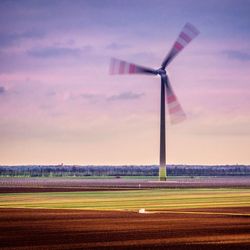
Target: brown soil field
[
  {"x": 217, "y": 228},
  {"x": 77, "y": 229},
  {"x": 11, "y": 185}
]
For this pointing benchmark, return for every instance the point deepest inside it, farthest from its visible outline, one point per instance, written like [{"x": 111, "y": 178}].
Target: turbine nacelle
[{"x": 162, "y": 72}]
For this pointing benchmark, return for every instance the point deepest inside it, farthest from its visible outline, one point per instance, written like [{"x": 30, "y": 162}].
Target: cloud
[
  {"x": 88, "y": 96},
  {"x": 117, "y": 46},
  {"x": 237, "y": 55},
  {"x": 36, "y": 58},
  {"x": 10, "y": 39},
  {"x": 125, "y": 96},
  {"x": 2, "y": 90},
  {"x": 51, "y": 52}
]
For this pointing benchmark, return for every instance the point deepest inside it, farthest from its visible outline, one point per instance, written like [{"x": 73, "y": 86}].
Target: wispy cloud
[
  {"x": 52, "y": 52},
  {"x": 9, "y": 39},
  {"x": 117, "y": 46},
  {"x": 237, "y": 55},
  {"x": 93, "y": 98},
  {"x": 87, "y": 96},
  {"x": 2, "y": 90},
  {"x": 125, "y": 96}
]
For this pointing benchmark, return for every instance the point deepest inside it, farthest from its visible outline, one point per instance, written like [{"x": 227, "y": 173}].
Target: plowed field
[{"x": 77, "y": 229}]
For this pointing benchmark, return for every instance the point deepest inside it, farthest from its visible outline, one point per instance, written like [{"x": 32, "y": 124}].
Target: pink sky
[{"x": 59, "y": 104}]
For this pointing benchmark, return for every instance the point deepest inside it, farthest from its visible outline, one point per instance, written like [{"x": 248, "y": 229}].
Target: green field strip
[
  {"x": 147, "y": 200},
  {"x": 130, "y": 200}
]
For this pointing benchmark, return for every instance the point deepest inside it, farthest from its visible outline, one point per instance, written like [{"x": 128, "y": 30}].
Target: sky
[{"x": 58, "y": 103}]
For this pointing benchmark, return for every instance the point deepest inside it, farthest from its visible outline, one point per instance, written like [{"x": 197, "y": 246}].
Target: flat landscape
[
  {"x": 104, "y": 214},
  {"x": 21, "y": 184},
  {"x": 124, "y": 125}
]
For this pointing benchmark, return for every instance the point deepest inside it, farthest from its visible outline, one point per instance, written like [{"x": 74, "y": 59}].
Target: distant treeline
[{"x": 119, "y": 171}]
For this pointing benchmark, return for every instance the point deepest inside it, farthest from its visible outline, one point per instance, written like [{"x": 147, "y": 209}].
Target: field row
[{"x": 133, "y": 200}]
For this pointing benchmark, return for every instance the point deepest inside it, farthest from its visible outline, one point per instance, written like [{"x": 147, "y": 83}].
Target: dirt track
[{"x": 72, "y": 229}]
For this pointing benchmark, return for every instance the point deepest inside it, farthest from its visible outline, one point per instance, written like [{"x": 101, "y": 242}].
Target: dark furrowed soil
[{"x": 77, "y": 229}]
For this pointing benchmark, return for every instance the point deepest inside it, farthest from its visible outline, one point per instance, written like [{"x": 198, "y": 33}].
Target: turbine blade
[
  {"x": 188, "y": 33},
  {"x": 175, "y": 110},
  {"x": 121, "y": 67}
]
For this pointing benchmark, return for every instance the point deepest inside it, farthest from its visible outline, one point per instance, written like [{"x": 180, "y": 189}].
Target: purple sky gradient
[{"x": 59, "y": 104}]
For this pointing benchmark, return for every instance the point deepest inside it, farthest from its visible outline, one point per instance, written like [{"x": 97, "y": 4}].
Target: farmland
[
  {"x": 80, "y": 229},
  {"x": 182, "y": 213},
  {"x": 131, "y": 200},
  {"x": 13, "y": 185}
]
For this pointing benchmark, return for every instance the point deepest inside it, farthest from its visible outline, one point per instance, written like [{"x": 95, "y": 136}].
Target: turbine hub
[{"x": 161, "y": 72}]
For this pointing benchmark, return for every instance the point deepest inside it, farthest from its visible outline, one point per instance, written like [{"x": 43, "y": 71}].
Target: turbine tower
[{"x": 187, "y": 34}]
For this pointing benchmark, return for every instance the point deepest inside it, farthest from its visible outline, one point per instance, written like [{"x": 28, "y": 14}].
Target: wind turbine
[{"x": 176, "y": 113}]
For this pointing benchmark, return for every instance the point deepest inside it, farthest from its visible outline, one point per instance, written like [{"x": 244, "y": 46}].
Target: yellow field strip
[{"x": 151, "y": 200}]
